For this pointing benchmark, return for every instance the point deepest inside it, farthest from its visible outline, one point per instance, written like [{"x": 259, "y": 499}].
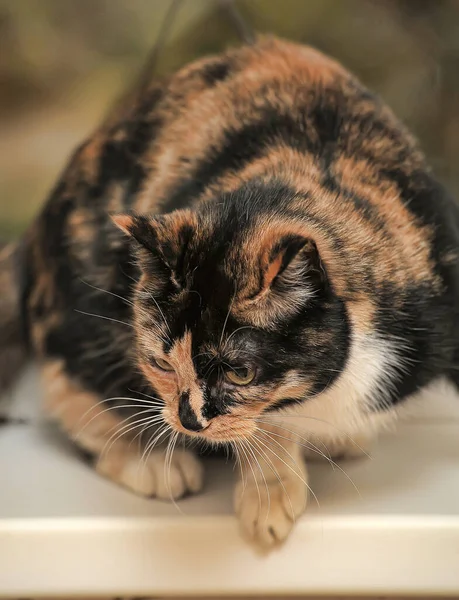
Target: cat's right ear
[
  {"x": 162, "y": 241},
  {"x": 144, "y": 231},
  {"x": 138, "y": 227}
]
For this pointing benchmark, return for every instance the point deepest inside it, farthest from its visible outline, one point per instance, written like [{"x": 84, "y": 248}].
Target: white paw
[
  {"x": 267, "y": 514},
  {"x": 152, "y": 478}
]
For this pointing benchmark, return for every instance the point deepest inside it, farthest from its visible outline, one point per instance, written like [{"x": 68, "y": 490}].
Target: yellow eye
[
  {"x": 163, "y": 364},
  {"x": 242, "y": 376}
]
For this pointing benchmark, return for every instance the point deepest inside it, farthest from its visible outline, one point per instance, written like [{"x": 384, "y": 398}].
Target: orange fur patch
[{"x": 78, "y": 412}]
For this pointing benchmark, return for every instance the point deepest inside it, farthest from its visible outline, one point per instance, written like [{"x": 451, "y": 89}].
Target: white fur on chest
[{"x": 345, "y": 408}]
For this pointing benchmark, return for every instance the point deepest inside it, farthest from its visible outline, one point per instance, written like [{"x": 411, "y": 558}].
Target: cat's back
[
  {"x": 283, "y": 112},
  {"x": 274, "y": 111},
  {"x": 274, "y": 108}
]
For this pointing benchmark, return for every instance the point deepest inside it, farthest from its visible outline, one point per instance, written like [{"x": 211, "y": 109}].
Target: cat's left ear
[{"x": 293, "y": 261}]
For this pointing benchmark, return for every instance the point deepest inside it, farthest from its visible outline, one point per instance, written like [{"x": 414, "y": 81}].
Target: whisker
[
  {"x": 268, "y": 493},
  {"x": 161, "y": 312},
  {"x": 139, "y": 437},
  {"x": 341, "y": 431},
  {"x": 103, "y": 317},
  {"x": 147, "y": 396},
  {"x": 245, "y": 456},
  {"x": 226, "y": 318},
  {"x": 94, "y": 287},
  {"x": 196, "y": 292},
  {"x": 114, "y": 398},
  {"x": 238, "y": 462},
  {"x": 236, "y": 354},
  {"x": 334, "y": 464},
  {"x": 117, "y": 365},
  {"x": 249, "y": 462},
  {"x": 107, "y": 346},
  {"x": 209, "y": 365},
  {"x": 117, "y": 407},
  {"x": 163, "y": 430},
  {"x": 310, "y": 445},
  {"x": 207, "y": 353},
  {"x": 169, "y": 462},
  {"x": 154, "y": 300},
  {"x": 125, "y": 429},
  {"x": 290, "y": 467},
  {"x": 159, "y": 332},
  {"x": 236, "y": 331},
  {"x": 166, "y": 465},
  {"x": 274, "y": 470},
  {"x": 153, "y": 442}
]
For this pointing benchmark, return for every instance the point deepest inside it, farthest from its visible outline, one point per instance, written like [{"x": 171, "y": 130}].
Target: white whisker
[
  {"x": 314, "y": 448},
  {"x": 117, "y": 407},
  {"x": 175, "y": 437},
  {"x": 290, "y": 467},
  {"x": 127, "y": 428},
  {"x": 147, "y": 396},
  {"x": 236, "y": 331},
  {"x": 160, "y": 311},
  {"x": 239, "y": 449},
  {"x": 268, "y": 493},
  {"x": 341, "y": 431},
  {"x": 103, "y": 317},
  {"x": 248, "y": 450},
  {"x": 225, "y": 322},
  {"x": 153, "y": 442},
  {"x": 274, "y": 470},
  {"x": 94, "y": 287}
]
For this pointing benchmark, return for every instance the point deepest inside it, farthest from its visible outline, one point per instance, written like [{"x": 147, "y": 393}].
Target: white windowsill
[{"x": 66, "y": 531}]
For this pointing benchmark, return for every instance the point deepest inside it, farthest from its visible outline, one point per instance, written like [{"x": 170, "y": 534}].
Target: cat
[{"x": 252, "y": 253}]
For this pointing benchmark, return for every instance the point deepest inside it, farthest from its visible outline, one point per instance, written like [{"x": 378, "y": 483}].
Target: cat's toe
[
  {"x": 184, "y": 475},
  {"x": 267, "y": 514},
  {"x": 153, "y": 477}
]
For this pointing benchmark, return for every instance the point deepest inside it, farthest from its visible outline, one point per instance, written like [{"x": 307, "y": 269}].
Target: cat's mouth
[{"x": 223, "y": 428}]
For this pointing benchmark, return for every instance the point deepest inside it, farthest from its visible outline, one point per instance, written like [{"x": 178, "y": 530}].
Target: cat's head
[{"x": 235, "y": 314}]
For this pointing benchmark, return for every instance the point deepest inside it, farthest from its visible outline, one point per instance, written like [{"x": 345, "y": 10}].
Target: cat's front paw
[
  {"x": 267, "y": 513},
  {"x": 152, "y": 477}
]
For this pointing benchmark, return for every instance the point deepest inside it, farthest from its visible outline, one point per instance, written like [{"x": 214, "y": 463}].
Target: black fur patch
[
  {"x": 120, "y": 159},
  {"x": 216, "y": 72},
  {"x": 186, "y": 415}
]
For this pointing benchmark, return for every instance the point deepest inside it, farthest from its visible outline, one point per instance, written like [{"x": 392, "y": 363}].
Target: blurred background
[{"x": 63, "y": 62}]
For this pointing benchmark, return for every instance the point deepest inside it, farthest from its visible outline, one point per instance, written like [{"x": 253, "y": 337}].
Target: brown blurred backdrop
[{"x": 62, "y": 62}]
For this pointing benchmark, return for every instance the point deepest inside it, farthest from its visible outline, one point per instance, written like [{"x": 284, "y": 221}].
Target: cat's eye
[
  {"x": 242, "y": 376},
  {"x": 162, "y": 364}
]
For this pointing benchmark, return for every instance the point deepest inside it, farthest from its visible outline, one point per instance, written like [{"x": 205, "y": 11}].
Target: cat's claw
[
  {"x": 268, "y": 513},
  {"x": 150, "y": 477}
]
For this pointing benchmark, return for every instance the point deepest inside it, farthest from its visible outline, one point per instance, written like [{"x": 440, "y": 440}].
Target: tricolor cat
[{"x": 251, "y": 253}]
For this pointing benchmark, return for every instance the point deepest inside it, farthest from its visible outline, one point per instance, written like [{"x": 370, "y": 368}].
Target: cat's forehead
[{"x": 202, "y": 314}]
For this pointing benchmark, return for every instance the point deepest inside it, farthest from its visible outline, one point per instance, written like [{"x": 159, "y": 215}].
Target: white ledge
[{"x": 65, "y": 531}]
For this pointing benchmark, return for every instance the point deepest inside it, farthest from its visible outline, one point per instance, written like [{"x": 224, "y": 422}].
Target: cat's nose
[{"x": 187, "y": 416}]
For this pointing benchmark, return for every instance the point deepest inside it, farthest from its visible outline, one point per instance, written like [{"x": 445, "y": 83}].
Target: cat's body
[{"x": 307, "y": 285}]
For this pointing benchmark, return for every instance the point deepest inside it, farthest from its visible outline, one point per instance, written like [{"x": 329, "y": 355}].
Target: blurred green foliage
[{"x": 62, "y": 62}]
